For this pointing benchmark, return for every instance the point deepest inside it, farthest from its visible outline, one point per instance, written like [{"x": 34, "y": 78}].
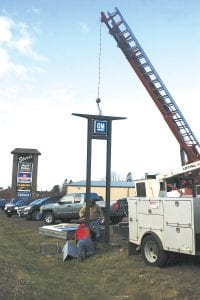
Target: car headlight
[{"x": 27, "y": 208}]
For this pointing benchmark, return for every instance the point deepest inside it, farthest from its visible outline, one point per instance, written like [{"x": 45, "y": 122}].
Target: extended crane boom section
[{"x": 141, "y": 64}]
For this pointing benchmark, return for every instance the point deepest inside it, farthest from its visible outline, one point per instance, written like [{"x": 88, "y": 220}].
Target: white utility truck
[{"x": 160, "y": 223}]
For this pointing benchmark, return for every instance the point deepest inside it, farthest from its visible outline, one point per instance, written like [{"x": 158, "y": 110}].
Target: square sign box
[{"x": 100, "y": 127}]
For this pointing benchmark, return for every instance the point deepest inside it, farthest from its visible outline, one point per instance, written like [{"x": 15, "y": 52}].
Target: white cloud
[
  {"x": 24, "y": 44},
  {"x": 5, "y": 29},
  {"x": 16, "y": 36},
  {"x": 7, "y": 66}
]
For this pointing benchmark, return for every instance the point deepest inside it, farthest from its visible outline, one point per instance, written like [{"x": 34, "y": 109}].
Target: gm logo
[{"x": 100, "y": 127}]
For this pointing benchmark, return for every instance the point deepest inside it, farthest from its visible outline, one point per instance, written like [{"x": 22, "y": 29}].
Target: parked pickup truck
[{"x": 68, "y": 207}]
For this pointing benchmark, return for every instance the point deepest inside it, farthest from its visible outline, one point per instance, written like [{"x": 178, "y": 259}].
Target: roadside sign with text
[{"x": 24, "y": 177}]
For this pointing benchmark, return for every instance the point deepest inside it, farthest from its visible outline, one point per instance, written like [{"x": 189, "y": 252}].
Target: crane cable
[{"x": 98, "y": 100}]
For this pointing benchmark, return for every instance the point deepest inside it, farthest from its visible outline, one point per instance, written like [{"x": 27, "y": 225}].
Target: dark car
[
  {"x": 11, "y": 208},
  {"x": 3, "y": 202},
  {"x": 32, "y": 210},
  {"x": 123, "y": 203}
]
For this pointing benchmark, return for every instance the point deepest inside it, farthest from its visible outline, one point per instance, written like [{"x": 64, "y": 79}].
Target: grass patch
[{"x": 109, "y": 275}]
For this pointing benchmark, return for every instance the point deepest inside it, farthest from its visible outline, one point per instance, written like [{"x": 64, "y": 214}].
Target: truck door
[
  {"x": 179, "y": 227},
  {"x": 65, "y": 207},
  {"x": 133, "y": 216},
  {"x": 78, "y": 203}
]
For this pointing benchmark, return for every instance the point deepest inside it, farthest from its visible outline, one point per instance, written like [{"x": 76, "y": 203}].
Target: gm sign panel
[{"x": 100, "y": 127}]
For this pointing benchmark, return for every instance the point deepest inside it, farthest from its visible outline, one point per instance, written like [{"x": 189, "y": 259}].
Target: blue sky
[{"x": 49, "y": 70}]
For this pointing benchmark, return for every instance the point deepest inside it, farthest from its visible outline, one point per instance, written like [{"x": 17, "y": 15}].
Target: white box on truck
[{"x": 161, "y": 225}]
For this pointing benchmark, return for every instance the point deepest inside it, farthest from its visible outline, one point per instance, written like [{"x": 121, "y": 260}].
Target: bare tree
[
  {"x": 56, "y": 189},
  {"x": 115, "y": 176},
  {"x": 129, "y": 176}
]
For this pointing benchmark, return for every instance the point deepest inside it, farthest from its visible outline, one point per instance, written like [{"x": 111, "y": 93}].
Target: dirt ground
[{"x": 182, "y": 272}]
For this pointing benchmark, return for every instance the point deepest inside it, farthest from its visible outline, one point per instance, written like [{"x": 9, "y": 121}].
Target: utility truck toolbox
[{"x": 158, "y": 226}]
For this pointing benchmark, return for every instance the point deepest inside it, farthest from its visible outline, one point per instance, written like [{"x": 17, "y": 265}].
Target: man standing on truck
[{"x": 96, "y": 215}]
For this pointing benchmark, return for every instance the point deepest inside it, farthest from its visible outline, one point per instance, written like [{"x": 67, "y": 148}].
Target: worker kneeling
[
  {"x": 84, "y": 242},
  {"x": 82, "y": 246}
]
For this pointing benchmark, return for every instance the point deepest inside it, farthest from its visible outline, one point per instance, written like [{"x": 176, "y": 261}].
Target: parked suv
[{"x": 32, "y": 210}]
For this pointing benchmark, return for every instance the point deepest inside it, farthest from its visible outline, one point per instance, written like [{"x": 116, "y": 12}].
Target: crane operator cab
[
  {"x": 151, "y": 187},
  {"x": 158, "y": 186}
]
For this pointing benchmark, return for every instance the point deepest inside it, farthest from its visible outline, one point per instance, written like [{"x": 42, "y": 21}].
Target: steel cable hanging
[{"x": 98, "y": 100}]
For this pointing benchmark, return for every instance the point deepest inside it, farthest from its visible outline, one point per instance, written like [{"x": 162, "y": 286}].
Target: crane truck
[{"x": 159, "y": 223}]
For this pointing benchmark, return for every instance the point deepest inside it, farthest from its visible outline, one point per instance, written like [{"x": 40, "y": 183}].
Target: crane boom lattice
[{"x": 144, "y": 69}]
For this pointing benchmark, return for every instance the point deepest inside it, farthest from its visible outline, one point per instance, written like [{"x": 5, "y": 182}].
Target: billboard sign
[
  {"x": 24, "y": 186},
  {"x": 23, "y": 194},
  {"x": 25, "y": 167},
  {"x": 24, "y": 177},
  {"x": 25, "y": 158}
]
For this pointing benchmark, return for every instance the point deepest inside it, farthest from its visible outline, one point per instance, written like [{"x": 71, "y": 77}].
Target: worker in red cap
[{"x": 84, "y": 242}]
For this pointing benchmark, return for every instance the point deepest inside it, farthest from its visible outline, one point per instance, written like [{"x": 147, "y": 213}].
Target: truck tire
[
  {"x": 116, "y": 219},
  {"x": 49, "y": 218},
  {"x": 152, "y": 252},
  {"x": 36, "y": 215}
]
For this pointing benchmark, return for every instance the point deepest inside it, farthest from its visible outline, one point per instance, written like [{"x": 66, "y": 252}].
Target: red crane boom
[{"x": 141, "y": 64}]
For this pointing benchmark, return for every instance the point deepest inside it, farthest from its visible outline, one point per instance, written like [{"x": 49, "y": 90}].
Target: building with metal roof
[{"x": 118, "y": 189}]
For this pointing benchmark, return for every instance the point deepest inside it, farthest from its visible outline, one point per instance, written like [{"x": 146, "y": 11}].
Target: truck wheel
[
  {"x": 116, "y": 220},
  {"x": 36, "y": 215},
  {"x": 49, "y": 218},
  {"x": 152, "y": 253}
]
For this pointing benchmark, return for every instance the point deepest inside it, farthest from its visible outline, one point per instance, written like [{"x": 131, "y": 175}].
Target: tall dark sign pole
[
  {"x": 88, "y": 170},
  {"x": 108, "y": 174},
  {"x": 99, "y": 127}
]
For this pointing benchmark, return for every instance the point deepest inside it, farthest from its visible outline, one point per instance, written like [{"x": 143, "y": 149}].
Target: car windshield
[
  {"x": 22, "y": 202},
  {"x": 38, "y": 201},
  {"x": 13, "y": 201}
]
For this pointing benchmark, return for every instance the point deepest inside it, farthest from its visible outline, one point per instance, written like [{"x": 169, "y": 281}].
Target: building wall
[{"x": 115, "y": 192}]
